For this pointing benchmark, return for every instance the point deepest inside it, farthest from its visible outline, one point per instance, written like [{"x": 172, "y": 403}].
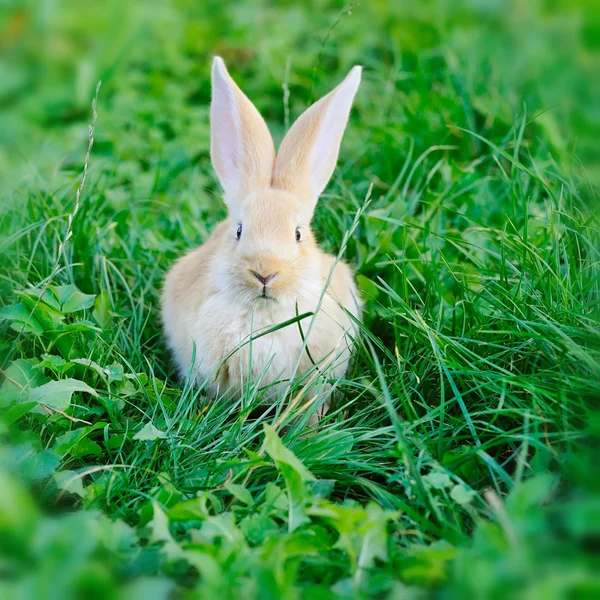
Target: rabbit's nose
[{"x": 264, "y": 279}]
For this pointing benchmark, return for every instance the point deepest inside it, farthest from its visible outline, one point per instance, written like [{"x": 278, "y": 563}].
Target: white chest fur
[{"x": 235, "y": 348}]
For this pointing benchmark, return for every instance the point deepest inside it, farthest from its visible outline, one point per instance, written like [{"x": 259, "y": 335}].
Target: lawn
[{"x": 459, "y": 457}]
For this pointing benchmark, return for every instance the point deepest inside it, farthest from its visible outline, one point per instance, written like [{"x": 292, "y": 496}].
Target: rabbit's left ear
[
  {"x": 241, "y": 146},
  {"x": 308, "y": 154}
]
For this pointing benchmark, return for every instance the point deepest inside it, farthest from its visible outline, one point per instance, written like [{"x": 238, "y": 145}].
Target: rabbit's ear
[
  {"x": 308, "y": 154},
  {"x": 241, "y": 146}
]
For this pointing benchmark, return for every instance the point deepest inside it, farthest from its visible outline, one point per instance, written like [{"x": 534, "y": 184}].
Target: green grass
[{"x": 459, "y": 457}]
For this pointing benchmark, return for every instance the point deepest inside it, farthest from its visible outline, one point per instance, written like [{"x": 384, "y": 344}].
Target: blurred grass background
[
  {"x": 490, "y": 59},
  {"x": 461, "y": 461}
]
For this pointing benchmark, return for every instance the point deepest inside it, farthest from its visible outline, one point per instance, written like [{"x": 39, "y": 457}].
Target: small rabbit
[{"x": 261, "y": 266}]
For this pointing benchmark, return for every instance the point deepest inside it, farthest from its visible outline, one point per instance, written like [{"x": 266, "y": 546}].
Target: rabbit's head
[{"x": 269, "y": 252}]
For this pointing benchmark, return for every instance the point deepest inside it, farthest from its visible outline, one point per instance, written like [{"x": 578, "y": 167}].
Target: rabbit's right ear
[
  {"x": 309, "y": 151},
  {"x": 241, "y": 146}
]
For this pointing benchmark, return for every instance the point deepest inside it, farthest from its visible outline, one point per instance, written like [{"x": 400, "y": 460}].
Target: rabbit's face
[
  {"x": 270, "y": 252},
  {"x": 271, "y": 257}
]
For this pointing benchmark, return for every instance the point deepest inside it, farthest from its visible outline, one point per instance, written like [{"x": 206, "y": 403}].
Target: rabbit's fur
[{"x": 213, "y": 299}]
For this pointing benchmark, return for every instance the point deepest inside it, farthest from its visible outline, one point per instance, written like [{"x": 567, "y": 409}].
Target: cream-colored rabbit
[{"x": 261, "y": 266}]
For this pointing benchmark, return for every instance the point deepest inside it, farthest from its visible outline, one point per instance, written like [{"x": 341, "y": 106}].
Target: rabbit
[{"x": 261, "y": 266}]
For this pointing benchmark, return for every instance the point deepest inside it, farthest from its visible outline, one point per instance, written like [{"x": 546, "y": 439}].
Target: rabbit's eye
[
  {"x": 298, "y": 235},
  {"x": 239, "y": 232}
]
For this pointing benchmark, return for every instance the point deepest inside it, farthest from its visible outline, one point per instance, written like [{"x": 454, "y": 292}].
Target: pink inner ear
[
  {"x": 329, "y": 137},
  {"x": 325, "y": 151},
  {"x": 308, "y": 153},
  {"x": 225, "y": 134}
]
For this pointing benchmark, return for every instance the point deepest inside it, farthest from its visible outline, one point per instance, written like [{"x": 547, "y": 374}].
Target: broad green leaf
[
  {"x": 101, "y": 311},
  {"x": 70, "y": 481},
  {"x": 114, "y": 535},
  {"x": 57, "y": 394},
  {"x": 188, "y": 510},
  {"x": 149, "y": 433},
  {"x": 280, "y": 454},
  {"x": 56, "y": 363},
  {"x": 127, "y": 388},
  {"x": 20, "y": 375},
  {"x": 85, "y": 447},
  {"x": 110, "y": 373},
  {"x": 21, "y": 319},
  {"x": 257, "y": 528},
  {"x": 195, "y": 508},
  {"x": 309, "y": 540},
  {"x": 240, "y": 492},
  {"x": 530, "y": 493},
  {"x": 71, "y": 299},
  {"x": 78, "y": 301},
  {"x": 41, "y": 295},
  {"x": 86, "y": 362},
  {"x": 428, "y": 564},
  {"x": 160, "y": 533},
  {"x": 82, "y": 325},
  {"x": 222, "y": 527},
  {"x": 374, "y": 538},
  {"x": 159, "y": 525},
  {"x": 114, "y": 407},
  {"x": 322, "y": 488},
  {"x": 52, "y": 361},
  {"x": 14, "y": 413},
  {"x": 114, "y": 372},
  {"x": 344, "y": 518},
  {"x": 462, "y": 494},
  {"x": 48, "y": 317},
  {"x": 297, "y": 496},
  {"x": 275, "y": 498},
  {"x": 35, "y": 465},
  {"x": 75, "y": 442},
  {"x": 140, "y": 379},
  {"x": 256, "y": 459},
  {"x": 209, "y": 568},
  {"x": 114, "y": 442},
  {"x": 295, "y": 475},
  {"x": 165, "y": 494},
  {"x": 437, "y": 480}
]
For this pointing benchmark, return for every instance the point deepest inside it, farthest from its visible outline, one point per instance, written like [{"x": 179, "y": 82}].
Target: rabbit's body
[
  {"x": 218, "y": 299},
  {"x": 205, "y": 316}
]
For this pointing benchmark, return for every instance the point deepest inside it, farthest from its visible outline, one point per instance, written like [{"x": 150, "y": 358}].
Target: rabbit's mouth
[{"x": 265, "y": 294}]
